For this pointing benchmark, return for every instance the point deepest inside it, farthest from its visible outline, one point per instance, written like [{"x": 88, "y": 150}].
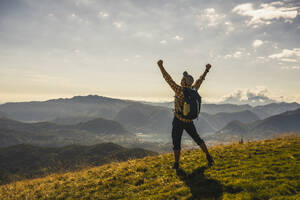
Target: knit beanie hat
[{"x": 189, "y": 80}]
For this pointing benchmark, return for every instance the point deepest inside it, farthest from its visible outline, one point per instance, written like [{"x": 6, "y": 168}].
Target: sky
[{"x": 63, "y": 48}]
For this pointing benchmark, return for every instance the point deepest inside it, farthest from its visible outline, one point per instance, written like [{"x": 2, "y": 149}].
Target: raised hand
[
  {"x": 160, "y": 63},
  {"x": 208, "y": 66}
]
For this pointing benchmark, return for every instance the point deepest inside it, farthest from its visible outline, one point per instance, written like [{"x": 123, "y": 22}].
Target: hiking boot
[
  {"x": 176, "y": 165},
  {"x": 209, "y": 160}
]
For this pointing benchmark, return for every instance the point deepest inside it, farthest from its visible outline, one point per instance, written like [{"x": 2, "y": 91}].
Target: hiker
[{"x": 180, "y": 123}]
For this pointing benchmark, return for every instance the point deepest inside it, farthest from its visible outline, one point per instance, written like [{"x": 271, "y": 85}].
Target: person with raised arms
[{"x": 187, "y": 105}]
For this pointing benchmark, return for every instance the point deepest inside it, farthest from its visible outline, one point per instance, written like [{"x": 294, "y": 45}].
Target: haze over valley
[{"x": 92, "y": 119}]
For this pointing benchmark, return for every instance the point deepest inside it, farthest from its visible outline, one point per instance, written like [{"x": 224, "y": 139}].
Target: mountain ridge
[
  {"x": 93, "y": 106},
  {"x": 281, "y": 123}
]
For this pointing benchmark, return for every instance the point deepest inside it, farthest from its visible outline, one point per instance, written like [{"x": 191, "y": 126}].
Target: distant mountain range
[
  {"x": 219, "y": 120},
  {"x": 145, "y": 118},
  {"x": 93, "y": 106},
  {"x": 155, "y": 119},
  {"x": 287, "y": 122},
  {"x": 262, "y": 112},
  {"x": 224, "y": 108},
  {"x": 92, "y": 119},
  {"x": 274, "y": 109},
  {"x": 27, "y": 161},
  {"x": 49, "y": 134}
]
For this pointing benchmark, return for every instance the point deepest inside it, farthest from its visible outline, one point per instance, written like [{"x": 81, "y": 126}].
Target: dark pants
[{"x": 177, "y": 130}]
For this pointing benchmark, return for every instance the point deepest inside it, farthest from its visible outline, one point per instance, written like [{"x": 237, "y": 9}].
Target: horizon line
[{"x": 139, "y": 99}]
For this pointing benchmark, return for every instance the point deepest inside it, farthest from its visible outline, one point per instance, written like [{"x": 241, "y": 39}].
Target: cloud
[
  {"x": 266, "y": 13},
  {"x": 178, "y": 38},
  {"x": 237, "y": 54},
  {"x": 29, "y": 33},
  {"x": 37, "y": 77},
  {"x": 229, "y": 27},
  {"x": 288, "y": 60},
  {"x": 258, "y": 96},
  {"x": 118, "y": 25},
  {"x": 83, "y": 2},
  {"x": 103, "y": 15},
  {"x": 75, "y": 17},
  {"x": 279, "y": 3},
  {"x": 257, "y": 43},
  {"x": 209, "y": 17},
  {"x": 287, "y": 53},
  {"x": 228, "y": 56},
  {"x": 76, "y": 51},
  {"x": 143, "y": 34},
  {"x": 291, "y": 67}
]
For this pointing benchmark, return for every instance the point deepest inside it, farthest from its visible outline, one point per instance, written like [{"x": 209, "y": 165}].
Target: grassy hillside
[
  {"x": 26, "y": 161},
  {"x": 267, "y": 169}
]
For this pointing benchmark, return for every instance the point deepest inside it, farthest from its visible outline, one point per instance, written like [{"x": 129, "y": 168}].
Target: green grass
[{"x": 268, "y": 169}]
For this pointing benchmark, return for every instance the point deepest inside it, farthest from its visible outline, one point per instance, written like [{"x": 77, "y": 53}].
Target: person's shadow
[{"x": 200, "y": 186}]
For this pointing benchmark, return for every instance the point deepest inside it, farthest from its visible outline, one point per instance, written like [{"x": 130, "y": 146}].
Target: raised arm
[
  {"x": 199, "y": 81},
  {"x": 168, "y": 78}
]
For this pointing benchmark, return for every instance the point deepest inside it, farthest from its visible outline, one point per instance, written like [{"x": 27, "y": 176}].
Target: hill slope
[
  {"x": 274, "y": 109},
  {"x": 282, "y": 123},
  {"x": 145, "y": 118},
  {"x": 3, "y": 115},
  {"x": 267, "y": 169},
  {"x": 103, "y": 126},
  {"x": 50, "y": 134},
  {"x": 220, "y": 120},
  {"x": 27, "y": 161}
]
